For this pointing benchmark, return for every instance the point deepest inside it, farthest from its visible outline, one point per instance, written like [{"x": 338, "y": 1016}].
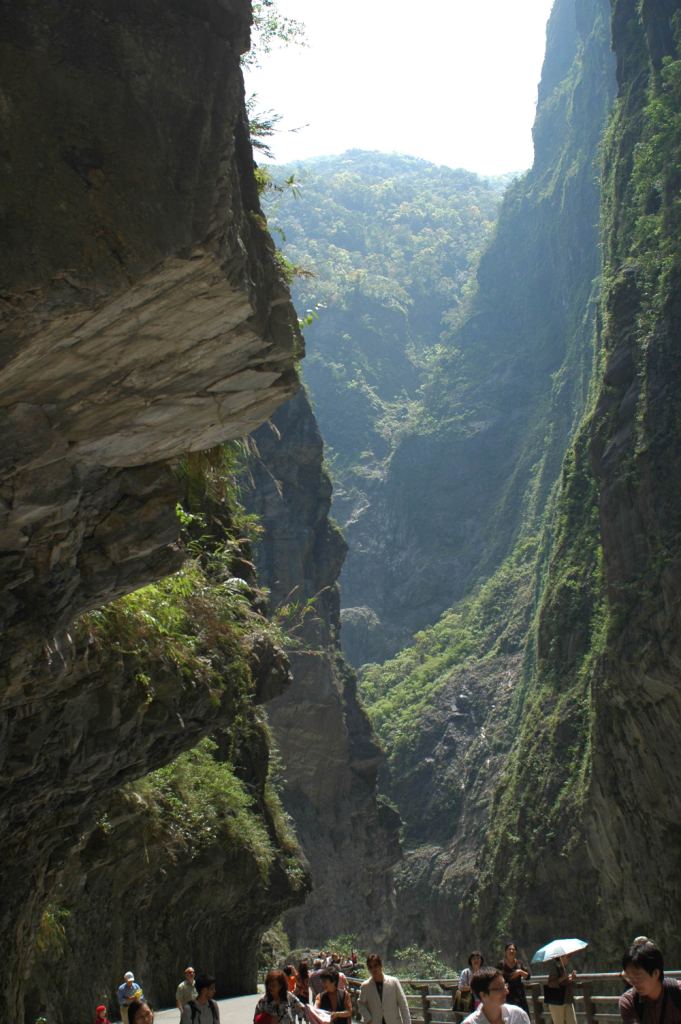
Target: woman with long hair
[{"x": 280, "y": 1004}]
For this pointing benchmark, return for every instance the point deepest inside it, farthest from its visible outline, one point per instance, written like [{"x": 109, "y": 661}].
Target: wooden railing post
[
  {"x": 451, "y": 988},
  {"x": 589, "y": 1008},
  {"x": 535, "y": 992},
  {"x": 424, "y": 992}
]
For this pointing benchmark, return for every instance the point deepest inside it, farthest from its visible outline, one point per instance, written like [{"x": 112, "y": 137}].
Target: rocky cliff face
[
  {"x": 565, "y": 759},
  {"x": 330, "y": 756},
  {"x": 155, "y": 886},
  {"x": 501, "y": 401},
  {"x": 142, "y": 317},
  {"x": 607, "y": 643},
  {"x": 449, "y": 708}
]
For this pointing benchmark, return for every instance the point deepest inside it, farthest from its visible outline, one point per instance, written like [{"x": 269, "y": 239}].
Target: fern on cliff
[
  {"x": 197, "y": 800},
  {"x": 191, "y": 621}
]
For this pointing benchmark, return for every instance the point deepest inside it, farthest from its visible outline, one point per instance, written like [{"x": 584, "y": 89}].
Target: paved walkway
[{"x": 232, "y": 1011}]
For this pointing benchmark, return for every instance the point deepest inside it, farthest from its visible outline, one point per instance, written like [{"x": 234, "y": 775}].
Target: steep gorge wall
[
  {"x": 449, "y": 707},
  {"x": 143, "y": 316},
  {"x": 510, "y": 385},
  {"x": 607, "y": 637},
  {"x": 556, "y": 740},
  {"x": 330, "y": 756}
]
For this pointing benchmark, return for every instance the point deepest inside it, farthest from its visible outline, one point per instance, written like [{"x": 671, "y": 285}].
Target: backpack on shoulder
[{"x": 196, "y": 1010}]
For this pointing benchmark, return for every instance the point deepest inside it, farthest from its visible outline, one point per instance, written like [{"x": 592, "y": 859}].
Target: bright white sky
[{"x": 452, "y": 81}]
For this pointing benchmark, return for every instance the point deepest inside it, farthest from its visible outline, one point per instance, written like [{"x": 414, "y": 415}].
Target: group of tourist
[
  {"x": 498, "y": 997},
  {"x": 289, "y": 991},
  {"x": 491, "y": 994},
  {"x": 194, "y": 999},
  {"x": 322, "y": 995},
  {"x": 487, "y": 995},
  {"x": 513, "y": 971}
]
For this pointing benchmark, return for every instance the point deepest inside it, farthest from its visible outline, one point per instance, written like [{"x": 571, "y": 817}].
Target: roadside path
[{"x": 232, "y": 1011}]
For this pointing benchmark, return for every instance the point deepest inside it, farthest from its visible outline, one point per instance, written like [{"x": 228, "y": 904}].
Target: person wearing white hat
[{"x": 128, "y": 992}]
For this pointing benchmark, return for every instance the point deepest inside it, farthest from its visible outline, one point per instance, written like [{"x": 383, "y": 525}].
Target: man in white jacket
[{"x": 381, "y": 998}]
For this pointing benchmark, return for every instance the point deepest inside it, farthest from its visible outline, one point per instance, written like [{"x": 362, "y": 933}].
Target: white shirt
[{"x": 509, "y": 1014}]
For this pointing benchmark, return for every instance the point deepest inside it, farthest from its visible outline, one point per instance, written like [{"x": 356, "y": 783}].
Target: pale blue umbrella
[{"x": 558, "y": 947}]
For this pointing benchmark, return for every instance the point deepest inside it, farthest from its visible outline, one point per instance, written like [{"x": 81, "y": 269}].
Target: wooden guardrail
[{"x": 596, "y": 998}]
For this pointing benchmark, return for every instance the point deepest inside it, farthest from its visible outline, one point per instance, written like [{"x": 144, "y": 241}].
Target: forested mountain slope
[
  {"x": 539, "y": 715},
  {"x": 503, "y": 411},
  {"x": 391, "y": 243},
  {"x": 602, "y": 767},
  {"x": 509, "y": 385}
]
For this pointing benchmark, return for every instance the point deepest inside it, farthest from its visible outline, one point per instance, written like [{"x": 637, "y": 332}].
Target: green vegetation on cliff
[
  {"x": 488, "y": 717},
  {"x": 402, "y": 691},
  {"x": 206, "y": 827},
  {"x": 567, "y": 795},
  {"x": 604, "y": 692},
  {"x": 196, "y": 798},
  {"x": 205, "y": 626}
]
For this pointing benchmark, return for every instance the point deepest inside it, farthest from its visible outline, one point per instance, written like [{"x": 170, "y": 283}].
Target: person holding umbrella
[{"x": 559, "y": 992}]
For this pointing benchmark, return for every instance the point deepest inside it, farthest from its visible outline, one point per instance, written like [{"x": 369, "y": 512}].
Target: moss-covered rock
[{"x": 194, "y": 860}]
